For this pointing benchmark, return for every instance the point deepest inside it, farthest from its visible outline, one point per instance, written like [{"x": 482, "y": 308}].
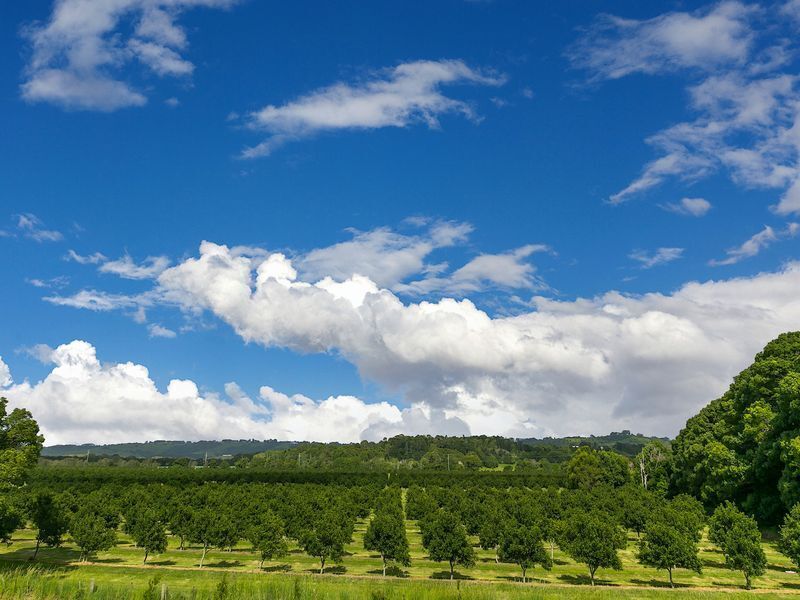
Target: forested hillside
[{"x": 168, "y": 449}]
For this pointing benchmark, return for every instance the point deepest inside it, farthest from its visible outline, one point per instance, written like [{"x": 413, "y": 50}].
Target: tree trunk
[
  {"x": 672, "y": 585},
  {"x": 591, "y": 575},
  {"x": 451, "y": 570},
  {"x": 747, "y": 581},
  {"x": 144, "y": 562},
  {"x": 182, "y": 546},
  {"x": 497, "y": 555},
  {"x": 322, "y": 565},
  {"x": 261, "y": 564},
  {"x": 552, "y": 549},
  {"x": 384, "y": 564},
  {"x": 523, "y": 576},
  {"x": 36, "y": 551},
  {"x": 202, "y": 558}
]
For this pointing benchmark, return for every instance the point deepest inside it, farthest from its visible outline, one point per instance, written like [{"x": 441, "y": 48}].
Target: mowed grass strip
[{"x": 361, "y": 563}]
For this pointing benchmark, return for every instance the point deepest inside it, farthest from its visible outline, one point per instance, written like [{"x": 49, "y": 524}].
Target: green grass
[{"x": 120, "y": 574}]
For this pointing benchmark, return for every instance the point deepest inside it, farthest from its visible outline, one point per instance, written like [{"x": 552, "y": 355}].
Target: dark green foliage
[
  {"x": 50, "y": 520},
  {"x": 149, "y": 533},
  {"x": 326, "y": 537},
  {"x": 91, "y": 532},
  {"x": 745, "y": 446},
  {"x": 386, "y": 534},
  {"x": 790, "y": 535},
  {"x": 635, "y": 506},
  {"x": 591, "y": 538},
  {"x": 522, "y": 545},
  {"x": 739, "y": 538},
  {"x": 20, "y": 444},
  {"x": 445, "y": 539},
  {"x": 267, "y": 537},
  {"x": 589, "y": 468},
  {"x": 667, "y": 546},
  {"x": 10, "y": 520}
]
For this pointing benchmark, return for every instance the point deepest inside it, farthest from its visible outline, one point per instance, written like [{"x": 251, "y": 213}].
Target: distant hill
[
  {"x": 169, "y": 449},
  {"x": 623, "y": 442}
]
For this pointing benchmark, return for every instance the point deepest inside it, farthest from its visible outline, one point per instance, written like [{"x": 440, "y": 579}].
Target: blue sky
[{"x": 567, "y": 169}]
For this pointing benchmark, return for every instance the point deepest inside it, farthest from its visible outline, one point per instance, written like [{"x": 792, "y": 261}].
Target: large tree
[
  {"x": 790, "y": 535},
  {"x": 325, "y": 538},
  {"x": 667, "y": 547},
  {"x": 386, "y": 534},
  {"x": 267, "y": 537},
  {"x": 522, "y": 545},
  {"x": 91, "y": 532},
  {"x": 745, "y": 445},
  {"x": 446, "y": 540},
  {"x": 739, "y": 539},
  {"x": 50, "y": 520},
  {"x": 593, "y": 539},
  {"x": 20, "y": 444},
  {"x": 150, "y": 533}
]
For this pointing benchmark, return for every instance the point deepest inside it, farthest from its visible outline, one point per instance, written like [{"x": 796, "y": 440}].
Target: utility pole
[
  {"x": 205, "y": 460},
  {"x": 87, "y": 456},
  {"x": 448, "y": 462}
]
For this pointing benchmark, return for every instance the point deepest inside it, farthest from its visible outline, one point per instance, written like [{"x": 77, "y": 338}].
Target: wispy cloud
[
  {"x": 755, "y": 244},
  {"x": 127, "y": 268},
  {"x": 661, "y": 256},
  {"x": 745, "y": 103},
  {"x": 78, "y": 55},
  {"x": 406, "y": 94},
  {"x": 32, "y": 227}
]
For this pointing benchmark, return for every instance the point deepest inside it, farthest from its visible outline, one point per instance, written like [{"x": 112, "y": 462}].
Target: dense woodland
[{"x": 734, "y": 468}]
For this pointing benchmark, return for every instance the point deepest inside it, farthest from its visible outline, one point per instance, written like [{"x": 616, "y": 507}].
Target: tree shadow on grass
[
  {"x": 712, "y": 564},
  {"x": 446, "y": 575},
  {"x": 391, "y": 571},
  {"x": 282, "y": 568},
  {"x": 225, "y": 563},
  {"x": 45, "y": 554},
  {"x": 107, "y": 561},
  {"x": 161, "y": 563},
  {"x": 334, "y": 570},
  {"x": 586, "y": 580},
  {"x": 518, "y": 578},
  {"x": 662, "y": 583},
  {"x": 790, "y": 586}
]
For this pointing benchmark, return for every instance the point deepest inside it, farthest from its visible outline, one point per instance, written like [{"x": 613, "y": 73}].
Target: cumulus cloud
[
  {"x": 404, "y": 95},
  {"x": 746, "y": 107},
  {"x": 693, "y": 207},
  {"x": 159, "y": 331},
  {"x": 84, "y": 400},
  {"x": 5, "y": 374},
  {"x": 661, "y": 256},
  {"x": 567, "y": 366},
  {"x": 79, "y": 54},
  {"x": 755, "y": 244}
]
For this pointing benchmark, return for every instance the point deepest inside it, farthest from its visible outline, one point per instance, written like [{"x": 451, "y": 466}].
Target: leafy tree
[
  {"x": 665, "y": 546},
  {"x": 419, "y": 503},
  {"x": 744, "y": 446},
  {"x": 180, "y": 522},
  {"x": 589, "y": 468},
  {"x": 201, "y": 531},
  {"x": 522, "y": 545},
  {"x": 150, "y": 534},
  {"x": 267, "y": 537},
  {"x": 50, "y": 520},
  {"x": 653, "y": 463},
  {"x": 635, "y": 507},
  {"x": 445, "y": 539},
  {"x": 685, "y": 513},
  {"x": 10, "y": 520},
  {"x": 91, "y": 532},
  {"x": 739, "y": 538},
  {"x": 490, "y": 532},
  {"x": 386, "y": 534},
  {"x": 789, "y": 542},
  {"x": 591, "y": 538},
  {"x": 326, "y": 538},
  {"x": 20, "y": 444}
]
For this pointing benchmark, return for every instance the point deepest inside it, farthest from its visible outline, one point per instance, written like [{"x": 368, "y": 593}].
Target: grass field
[{"x": 120, "y": 574}]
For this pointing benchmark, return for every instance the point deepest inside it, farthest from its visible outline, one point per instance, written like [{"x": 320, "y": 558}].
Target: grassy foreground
[{"x": 120, "y": 574}]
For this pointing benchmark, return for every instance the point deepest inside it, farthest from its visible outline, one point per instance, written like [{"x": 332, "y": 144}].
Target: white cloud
[
  {"x": 79, "y": 54},
  {"x": 755, "y": 244},
  {"x": 404, "y": 95},
  {"x": 160, "y": 331},
  {"x": 33, "y": 228},
  {"x": 579, "y": 366},
  {"x": 5, "y": 374},
  {"x": 510, "y": 270},
  {"x": 84, "y": 400},
  {"x": 694, "y": 207},
  {"x": 101, "y": 301},
  {"x": 126, "y": 268},
  {"x": 91, "y": 259},
  {"x": 747, "y": 112},
  {"x": 615, "y": 47},
  {"x": 385, "y": 256},
  {"x": 659, "y": 257}
]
